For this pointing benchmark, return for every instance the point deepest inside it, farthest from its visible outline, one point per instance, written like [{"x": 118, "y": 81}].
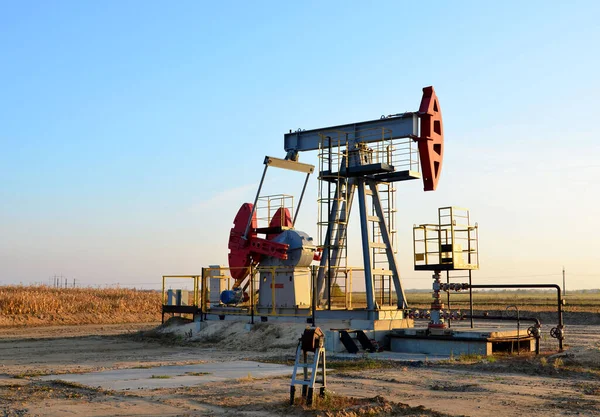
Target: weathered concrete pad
[
  {"x": 477, "y": 333},
  {"x": 391, "y": 356},
  {"x": 173, "y": 376},
  {"x": 480, "y": 341}
]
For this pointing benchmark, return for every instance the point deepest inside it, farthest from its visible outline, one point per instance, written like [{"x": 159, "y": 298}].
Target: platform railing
[
  {"x": 340, "y": 290},
  {"x": 166, "y": 279},
  {"x": 180, "y": 287},
  {"x": 250, "y": 286},
  {"x": 452, "y": 244},
  {"x": 340, "y": 284},
  {"x": 267, "y": 206},
  {"x": 223, "y": 274}
]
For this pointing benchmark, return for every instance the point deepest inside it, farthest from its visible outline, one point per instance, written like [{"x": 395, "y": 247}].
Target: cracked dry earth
[{"x": 510, "y": 386}]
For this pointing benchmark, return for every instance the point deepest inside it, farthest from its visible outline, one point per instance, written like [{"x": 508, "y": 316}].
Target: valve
[
  {"x": 557, "y": 333},
  {"x": 533, "y": 332},
  {"x": 456, "y": 315},
  {"x": 454, "y": 286}
]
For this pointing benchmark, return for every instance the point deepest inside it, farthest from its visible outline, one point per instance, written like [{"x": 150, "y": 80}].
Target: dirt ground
[{"x": 564, "y": 384}]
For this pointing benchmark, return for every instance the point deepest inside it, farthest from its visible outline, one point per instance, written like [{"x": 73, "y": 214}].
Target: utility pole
[{"x": 564, "y": 287}]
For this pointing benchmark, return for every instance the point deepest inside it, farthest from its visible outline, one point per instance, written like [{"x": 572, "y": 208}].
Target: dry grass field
[
  {"x": 42, "y": 305},
  {"x": 531, "y": 301},
  {"x": 537, "y": 301}
]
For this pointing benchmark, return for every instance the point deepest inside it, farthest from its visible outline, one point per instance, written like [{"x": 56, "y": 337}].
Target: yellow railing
[
  {"x": 340, "y": 292},
  {"x": 222, "y": 274},
  {"x": 450, "y": 244},
  {"x": 196, "y": 282},
  {"x": 267, "y": 206}
]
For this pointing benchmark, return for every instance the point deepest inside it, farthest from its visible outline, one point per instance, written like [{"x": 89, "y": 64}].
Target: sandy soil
[
  {"x": 32, "y": 332},
  {"x": 563, "y": 384}
]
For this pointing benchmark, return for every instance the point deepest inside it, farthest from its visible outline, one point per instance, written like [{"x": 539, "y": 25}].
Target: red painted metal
[
  {"x": 246, "y": 252},
  {"x": 318, "y": 254},
  {"x": 239, "y": 254},
  {"x": 281, "y": 218},
  {"x": 431, "y": 141},
  {"x": 266, "y": 247}
]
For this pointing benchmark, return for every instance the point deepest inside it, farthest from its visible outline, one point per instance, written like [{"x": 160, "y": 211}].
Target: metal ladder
[
  {"x": 310, "y": 371},
  {"x": 335, "y": 199},
  {"x": 382, "y": 276}
]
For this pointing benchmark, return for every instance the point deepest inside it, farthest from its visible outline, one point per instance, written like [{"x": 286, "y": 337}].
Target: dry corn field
[
  {"x": 42, "y": 305},
  {"x": 537, "y": 301},
  {"x": 533, "y": 301}
]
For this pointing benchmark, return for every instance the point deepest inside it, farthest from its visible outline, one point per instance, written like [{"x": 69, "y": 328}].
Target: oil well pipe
[{"x": 556, "y": 332}]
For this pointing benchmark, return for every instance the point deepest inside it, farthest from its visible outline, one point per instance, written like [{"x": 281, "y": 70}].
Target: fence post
[
  {"x": 314, "y": 294},
  {"x": 252, "y": 294},
  {"x": 202, "y": 298}
]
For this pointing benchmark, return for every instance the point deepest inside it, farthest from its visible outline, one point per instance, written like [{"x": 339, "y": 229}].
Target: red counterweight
[
  {"x": 431, "y": 141},
  {"x": 246, "y": 252},
  {"x": 281, "y": 218}
]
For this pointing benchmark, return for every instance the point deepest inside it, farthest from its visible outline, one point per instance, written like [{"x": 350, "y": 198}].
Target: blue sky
[{"x": 131, "y": 132}]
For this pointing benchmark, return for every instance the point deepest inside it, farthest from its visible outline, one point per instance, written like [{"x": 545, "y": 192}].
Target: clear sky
[{"x": 131, "y": 131}]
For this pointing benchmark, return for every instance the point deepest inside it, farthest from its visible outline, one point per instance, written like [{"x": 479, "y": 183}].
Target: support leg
[
  {"x": 336, "y": 232},
  {"x": 364, "y": 227},
  {"x": 389, "y": 250}
]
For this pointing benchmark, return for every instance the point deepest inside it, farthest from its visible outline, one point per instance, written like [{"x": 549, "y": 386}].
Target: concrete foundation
[
  {"x": 399, "y": 335},
  {"x": 378, "y": 330},
  {"x": 304, "y": 314},
  {"x": 174, "y": 376},
  {"x": 332, "y": 324},
  {"x": 481, "y": 341}
]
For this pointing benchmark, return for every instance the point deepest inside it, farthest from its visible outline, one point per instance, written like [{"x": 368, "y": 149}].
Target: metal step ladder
[
  {"x": 335, "y": 201},
  {"x": 312, "y": 341},
  {"x": 382, "y": 275},
  {"x": 350, "y": 344}
]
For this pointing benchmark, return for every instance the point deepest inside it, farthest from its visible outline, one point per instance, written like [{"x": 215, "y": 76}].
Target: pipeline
[
  {"x": 533, "y": 331},
  {"x": 556, "y": 332}
]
